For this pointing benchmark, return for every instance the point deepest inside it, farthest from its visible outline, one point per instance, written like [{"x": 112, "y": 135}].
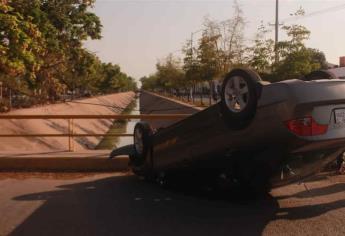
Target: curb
[{"x": 62, "y": 164}]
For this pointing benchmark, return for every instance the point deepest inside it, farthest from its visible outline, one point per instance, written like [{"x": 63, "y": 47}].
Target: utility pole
[
  {"x": 191, "y": 91},
  {"x": 191, "y": 41},
  {"x": 276, "y": 33},
  {"x": 191, "y": 45},
  {"x": 192, "y": 58}
]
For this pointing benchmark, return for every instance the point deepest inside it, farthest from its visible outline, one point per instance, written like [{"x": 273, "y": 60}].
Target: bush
[{"x": 4, "y": 105}]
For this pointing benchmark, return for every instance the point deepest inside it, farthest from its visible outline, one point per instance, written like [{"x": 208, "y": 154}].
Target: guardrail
[{"x": 71, "y": 119}]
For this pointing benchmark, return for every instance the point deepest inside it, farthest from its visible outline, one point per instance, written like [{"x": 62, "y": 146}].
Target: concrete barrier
[
  {"x": 62, "y": 161},
  {"x": 152, "y": 103},
  {"x": 93, "y": 160}
]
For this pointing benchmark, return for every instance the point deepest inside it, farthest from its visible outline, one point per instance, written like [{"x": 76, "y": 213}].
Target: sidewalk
[{"x": 62, "y": 161}]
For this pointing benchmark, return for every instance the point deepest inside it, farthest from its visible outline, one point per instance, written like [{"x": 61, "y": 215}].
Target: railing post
[
  {"x": 70, "y": 135},
  {"x": 72, "y": 121}
]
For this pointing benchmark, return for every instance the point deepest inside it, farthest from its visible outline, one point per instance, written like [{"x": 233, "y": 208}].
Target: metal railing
[{"x": 71, "y": 119}]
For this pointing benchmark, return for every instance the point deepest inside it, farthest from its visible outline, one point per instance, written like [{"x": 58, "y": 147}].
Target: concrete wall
[
  {"x": 151, "y": 103},
  {"x": 102, "y": 105}
]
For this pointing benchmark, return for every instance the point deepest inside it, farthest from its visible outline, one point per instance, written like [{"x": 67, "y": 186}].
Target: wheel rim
[
  {"x": 138, "y": 141},
  {"x": 236, "y": 94}
]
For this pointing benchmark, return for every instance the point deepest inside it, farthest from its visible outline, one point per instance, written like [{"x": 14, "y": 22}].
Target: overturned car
[{"x": 259, "y": 135}]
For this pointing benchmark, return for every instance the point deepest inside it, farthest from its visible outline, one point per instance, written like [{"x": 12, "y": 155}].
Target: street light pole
[
  {"x": 192, "y": 58},
  {"x": 277, "y": 32}
]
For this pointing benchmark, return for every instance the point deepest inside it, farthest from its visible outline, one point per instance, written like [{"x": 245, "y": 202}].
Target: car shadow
[
  {"x": 308, "y": 211},
  {"x": 317, "y": 192},
  {"x": 128, "y": 206}
]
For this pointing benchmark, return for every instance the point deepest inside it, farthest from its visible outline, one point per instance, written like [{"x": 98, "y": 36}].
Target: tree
[
  {"x": 220, "y": 48},
  {"x": 233, "y": 39},
  {"x": 296, "y": 59},
  {"x": 299, "y": 63},
  {"x": 149, "y": 82},
  {"x": 261, "y": 54},
  {"x": 20, "y": 44},
  {"x": 169, "y": 73},
  {"x": 42, "y": 54},
  {"x": 191, "y": 66},
  {"x": 208, "y": 57}
]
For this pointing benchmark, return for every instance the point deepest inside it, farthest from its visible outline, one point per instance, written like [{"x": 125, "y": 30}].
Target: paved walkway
[
  {"x": 121, "y": 204},
  {"x": 64, "y": 161}
]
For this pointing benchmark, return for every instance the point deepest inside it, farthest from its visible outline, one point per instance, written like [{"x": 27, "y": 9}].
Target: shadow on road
[
  {"x": 317, "y": 192},
  {"x": 127, "y": 206}
]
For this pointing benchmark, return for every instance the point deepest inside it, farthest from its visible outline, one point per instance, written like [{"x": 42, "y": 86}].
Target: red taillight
[{"x": 306, "y": 126}]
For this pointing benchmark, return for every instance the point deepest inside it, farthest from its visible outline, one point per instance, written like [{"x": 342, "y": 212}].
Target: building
[
  {"x": 342, "y": 62},
  {"x": 331, "y": 65},
  {"x": 339, "y": 72}
]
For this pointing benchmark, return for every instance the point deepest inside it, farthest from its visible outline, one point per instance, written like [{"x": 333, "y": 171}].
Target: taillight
[{"x": 306, "y": 126}]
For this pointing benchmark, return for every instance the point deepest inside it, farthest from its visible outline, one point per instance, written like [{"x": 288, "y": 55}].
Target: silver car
[{"x": 259, "y": 135}]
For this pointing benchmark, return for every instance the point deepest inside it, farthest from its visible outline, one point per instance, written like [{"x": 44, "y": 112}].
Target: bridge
[{"x": 69, "y": 160}]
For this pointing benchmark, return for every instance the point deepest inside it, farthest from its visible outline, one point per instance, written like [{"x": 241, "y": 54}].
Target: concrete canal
[{"x": 121, "y": 126}]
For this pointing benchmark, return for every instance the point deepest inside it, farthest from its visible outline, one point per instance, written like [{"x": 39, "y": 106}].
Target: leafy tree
[
  {"x": 262, "y": 52},
  {"x": 298, "y": 63},
  {"x": 191, "y": 66},
  {"x": 296, "y": 59},
  {"x": 20, "y": 43},
  {"x": 220, "y": 48},
  {"x": 169, "y": 73},
  {"x": 42, "y": 54},
  {"x": 208, "y": 56},
  {"x": 149, "y": 82}
]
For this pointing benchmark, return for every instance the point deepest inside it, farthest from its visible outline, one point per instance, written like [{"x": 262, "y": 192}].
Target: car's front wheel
[{"x": 141, "y": 161}]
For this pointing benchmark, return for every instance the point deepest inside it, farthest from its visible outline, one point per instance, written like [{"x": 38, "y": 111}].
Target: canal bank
[
  {"x": 145, "y": 103},
  {"x": 101, "y": 105},
  {"x": 121, "y": 127},
  {"x": 152, "y": 103}
]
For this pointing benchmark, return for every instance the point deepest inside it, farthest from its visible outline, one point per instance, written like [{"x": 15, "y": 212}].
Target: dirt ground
[{"x": 122, "y": 204}]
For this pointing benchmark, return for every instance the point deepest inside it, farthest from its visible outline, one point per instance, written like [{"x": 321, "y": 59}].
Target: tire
[
  {"x": 142, "y": 160},
  {"x": 239, "y": 96},
  {"x": 319, "y": 74}
]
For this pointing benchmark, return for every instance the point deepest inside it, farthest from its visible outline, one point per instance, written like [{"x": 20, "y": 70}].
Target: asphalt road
[{"x": 121, "y": 204}]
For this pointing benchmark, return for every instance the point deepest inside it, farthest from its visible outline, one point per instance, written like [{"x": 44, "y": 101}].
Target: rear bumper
[{"x": 320, "y": 145}]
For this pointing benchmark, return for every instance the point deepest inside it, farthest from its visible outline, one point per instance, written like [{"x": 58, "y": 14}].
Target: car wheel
[
  {"x": 142, "y": 145},
  {"x": 239, "y": 97},
  {"x": 319, "y": 74}
]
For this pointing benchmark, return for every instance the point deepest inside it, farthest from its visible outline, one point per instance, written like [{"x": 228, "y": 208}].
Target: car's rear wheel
[
  {"x": 239, "y": 97},
  {"x": 141, "y": 162},
  {"x": 319, "y": 74}
]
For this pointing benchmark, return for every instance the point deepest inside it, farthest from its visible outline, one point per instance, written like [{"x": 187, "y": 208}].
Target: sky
[{"x": 137, "y": 33}]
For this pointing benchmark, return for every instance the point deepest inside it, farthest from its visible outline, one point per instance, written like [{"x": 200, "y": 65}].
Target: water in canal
[{"x": 121, "y": 126}]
